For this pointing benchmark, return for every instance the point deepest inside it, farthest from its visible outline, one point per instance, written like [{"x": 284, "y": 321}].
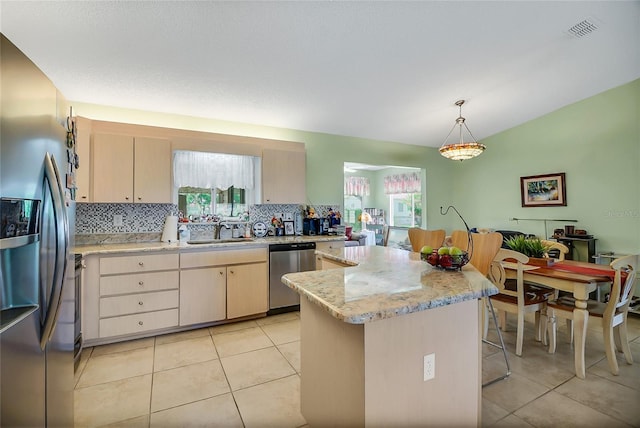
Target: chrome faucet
[{"x": 217, "y": 228}]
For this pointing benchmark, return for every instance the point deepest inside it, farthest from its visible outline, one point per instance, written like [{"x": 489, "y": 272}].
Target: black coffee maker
[{"x": 314, "y": 226}]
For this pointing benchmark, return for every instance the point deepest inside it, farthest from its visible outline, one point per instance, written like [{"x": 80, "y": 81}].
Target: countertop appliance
[
  {"x": 37, "y": 296},
  {"x": 315, "y": 226},
  {"x": 283, "y": 259}
]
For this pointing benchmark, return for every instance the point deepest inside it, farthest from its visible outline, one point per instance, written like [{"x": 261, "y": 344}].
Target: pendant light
[{"x": 461, "y": 150}]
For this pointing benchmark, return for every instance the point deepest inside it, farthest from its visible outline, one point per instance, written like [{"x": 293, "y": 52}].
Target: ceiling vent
[{"x": 583, "y": 28}]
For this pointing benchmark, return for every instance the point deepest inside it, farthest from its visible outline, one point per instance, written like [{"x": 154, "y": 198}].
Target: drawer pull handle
[
  {"x": 139, "y": 198},
  {"x": 141, "y": 283},
  {"x": 141, "y": 303},
  {"x": 232, "y": 272},
  {"x": 141, "y": 263},
  {"x": 221, "y": 273},
  {"x": 140, "y": 323},
  {"x": 126, "y": 198}
]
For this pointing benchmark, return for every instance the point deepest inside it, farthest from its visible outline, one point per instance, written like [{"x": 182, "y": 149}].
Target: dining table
[{"x": 576, "y": 277}]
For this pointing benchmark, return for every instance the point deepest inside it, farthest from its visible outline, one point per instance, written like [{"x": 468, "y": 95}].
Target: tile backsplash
[
  {"x": 145, "y": 222},
  {"x": 136, "y": 218}
]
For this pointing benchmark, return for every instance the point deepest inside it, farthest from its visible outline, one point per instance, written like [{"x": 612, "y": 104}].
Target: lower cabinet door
[
  {"x": 247, "y": 290},
  {"x": 203, "y": 295}
]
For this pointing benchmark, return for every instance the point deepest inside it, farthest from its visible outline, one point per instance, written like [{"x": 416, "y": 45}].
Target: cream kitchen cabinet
[
  {"x": 152, "y": 170},
  {"x": 324, "y": 263},
  {"x": 83, "y": 149},
  {"x": 225, "y": 283},
  {"x": 329, "y": 245},
  {"x": 129, "y": 294},
  {"x": 203, "y": 295},
  {"x": 247, "y": 290},
  {"x": 283, "y": 177},
  {"x": 127, "y": 169}
]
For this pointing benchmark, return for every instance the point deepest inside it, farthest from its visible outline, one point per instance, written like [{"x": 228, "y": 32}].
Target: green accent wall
[{"x": 596, "y": 142}]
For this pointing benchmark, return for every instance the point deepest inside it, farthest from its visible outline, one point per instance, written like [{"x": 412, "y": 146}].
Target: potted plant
[{"x": 531, "y": 247}]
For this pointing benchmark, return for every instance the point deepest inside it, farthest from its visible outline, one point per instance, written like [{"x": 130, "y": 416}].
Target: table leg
[{"x": 580, "y": 320}]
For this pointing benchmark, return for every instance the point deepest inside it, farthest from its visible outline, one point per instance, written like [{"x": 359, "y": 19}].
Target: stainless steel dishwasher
[{"x": 283, "y": 259}]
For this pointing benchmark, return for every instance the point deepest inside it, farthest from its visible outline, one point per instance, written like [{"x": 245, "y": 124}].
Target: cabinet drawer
[
  {"x": 222, "y": 257},
  {"x": 130, "y": 324},
  {"x": 138, "y": 263},
  {"x": 328, "y": 245},
  {"x": 136, "y": 303},
  {"x": 138, "y": 283}
]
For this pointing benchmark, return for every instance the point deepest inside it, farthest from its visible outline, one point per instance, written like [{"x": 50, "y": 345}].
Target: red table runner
[{"x": 609, "y": 273}]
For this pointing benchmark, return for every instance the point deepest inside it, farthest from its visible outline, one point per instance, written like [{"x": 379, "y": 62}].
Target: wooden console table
[{"x": 589, "y": 243}]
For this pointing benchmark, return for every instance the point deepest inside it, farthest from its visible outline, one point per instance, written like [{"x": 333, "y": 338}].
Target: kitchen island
[{"x": 366, "y": 329}]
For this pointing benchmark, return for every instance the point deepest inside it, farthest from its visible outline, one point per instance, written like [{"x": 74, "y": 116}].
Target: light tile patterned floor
[{"x": 247, "y": 374}]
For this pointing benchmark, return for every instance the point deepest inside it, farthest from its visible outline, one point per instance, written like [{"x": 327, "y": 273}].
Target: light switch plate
[{"x": 117, "y": 220}]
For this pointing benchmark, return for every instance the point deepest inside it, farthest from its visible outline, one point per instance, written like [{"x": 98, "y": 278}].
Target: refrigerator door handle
[{"x": 54, "y": 185}]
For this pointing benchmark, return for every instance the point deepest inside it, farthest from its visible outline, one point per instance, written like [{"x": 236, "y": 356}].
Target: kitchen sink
[{"x": 220, "y": 241}]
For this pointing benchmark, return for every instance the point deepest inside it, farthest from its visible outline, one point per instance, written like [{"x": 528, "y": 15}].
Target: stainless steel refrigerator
[{"x": 36, "y": 265}]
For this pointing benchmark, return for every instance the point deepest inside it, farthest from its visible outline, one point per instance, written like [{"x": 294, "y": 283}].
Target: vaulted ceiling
[{"x": 380, "y": 70}]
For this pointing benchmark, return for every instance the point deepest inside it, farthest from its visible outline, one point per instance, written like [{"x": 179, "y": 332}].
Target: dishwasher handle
[{"x": 299, "y": 246}]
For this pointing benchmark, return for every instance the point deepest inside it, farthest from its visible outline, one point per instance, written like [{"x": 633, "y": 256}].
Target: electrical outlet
[
  {"x": 429, "y": 366},
  {"x": 117, "y": 220}
]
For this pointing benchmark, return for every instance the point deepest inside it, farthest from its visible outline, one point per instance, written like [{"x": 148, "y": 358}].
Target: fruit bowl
[{"x": 446, "y": 261}]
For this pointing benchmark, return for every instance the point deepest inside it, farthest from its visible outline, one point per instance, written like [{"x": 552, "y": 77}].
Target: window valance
[
  {"x": 402, "y": 183},
  {"x": 212, "y": 170},
  {"x": 356, "y": 186}
]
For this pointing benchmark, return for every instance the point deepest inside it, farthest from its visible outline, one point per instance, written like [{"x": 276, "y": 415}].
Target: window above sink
[{"x": 212, "y": 186}]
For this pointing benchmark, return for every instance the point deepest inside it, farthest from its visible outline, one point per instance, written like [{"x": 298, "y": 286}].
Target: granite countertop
[
  {"x": 178, "y": 246},
  {"x": 385, "y": 282}
]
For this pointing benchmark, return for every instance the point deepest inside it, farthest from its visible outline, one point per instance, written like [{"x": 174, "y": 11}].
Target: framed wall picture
[
  {"x": 288, "y": 228},
  {"x": 543, "y": 190}
]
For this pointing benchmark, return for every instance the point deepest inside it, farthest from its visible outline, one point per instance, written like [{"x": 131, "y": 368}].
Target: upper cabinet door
[
  {"x": 283, "y": 177},
  {"x": 152, "y": 171},
  {"x": 112, "y": 168},
  {"x": 83, "y": 149}
]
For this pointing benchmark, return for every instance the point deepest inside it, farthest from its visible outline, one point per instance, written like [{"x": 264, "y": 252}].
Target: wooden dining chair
[
  {"x": 522, "y": 299},
  {"x": 555, "y": 248},
  {"x": 460, "y": 239},
  {"x": 483, "y": 251},
  {"x": 485, "y": 248},
  {"x": 612, "y": 315},
  {"x": 421, "y": 237}
]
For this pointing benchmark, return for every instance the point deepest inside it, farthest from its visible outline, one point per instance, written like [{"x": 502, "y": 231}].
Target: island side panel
[
  {"x": 332, "y": 369},
  {"x": 396, "y": 393}
]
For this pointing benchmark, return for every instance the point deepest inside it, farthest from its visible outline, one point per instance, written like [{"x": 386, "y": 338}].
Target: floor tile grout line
[
  {"x": 266, "y": 382},
  {"x": 226, "y": 378},
  {"x": 153, "y": 370},
  {"x": 77, "y": 381},
  {"x": 285, "y": 357},
  {"x": 583, "y": 404},
  {"x": 553, "y": 389},
  {"x": 600, "y": 378}
]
